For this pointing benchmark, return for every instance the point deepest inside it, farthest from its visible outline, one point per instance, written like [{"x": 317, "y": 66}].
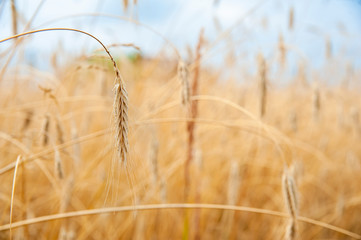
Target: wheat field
[{"x": 164, "y": 147}]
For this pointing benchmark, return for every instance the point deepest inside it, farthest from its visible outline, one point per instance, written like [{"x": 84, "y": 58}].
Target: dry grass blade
[
  {"x": 174, "y": 206},
  {"x": 13, "y": 193}
]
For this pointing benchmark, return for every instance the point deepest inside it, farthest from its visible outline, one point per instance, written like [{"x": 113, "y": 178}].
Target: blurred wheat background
[{"x": 246, "y": 131}]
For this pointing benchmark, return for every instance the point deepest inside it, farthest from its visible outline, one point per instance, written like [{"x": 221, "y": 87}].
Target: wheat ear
[
  {"x": 58, "y": 164},
  {"x": 290, "y": 195},
  {"x": 45, "y": 130},
  {"x": 183, "y": 76},
  {"x": 121, "y": 117}
]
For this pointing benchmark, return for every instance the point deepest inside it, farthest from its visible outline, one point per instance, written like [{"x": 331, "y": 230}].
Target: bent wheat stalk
[
  {"x": 149, "y": 207},
  {"x": 120, "y": 94}
]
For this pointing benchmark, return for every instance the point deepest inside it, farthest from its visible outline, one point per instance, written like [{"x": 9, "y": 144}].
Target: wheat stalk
[
  {"x": 262, "y": 72},
  {"x": 193, "y": 113}
]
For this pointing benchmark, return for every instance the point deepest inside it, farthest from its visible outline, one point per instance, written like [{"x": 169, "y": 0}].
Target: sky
[{"x": 256, "y": 27}]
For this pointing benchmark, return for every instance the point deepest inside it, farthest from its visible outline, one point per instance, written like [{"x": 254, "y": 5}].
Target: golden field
[{"x": 208, "y": 157}]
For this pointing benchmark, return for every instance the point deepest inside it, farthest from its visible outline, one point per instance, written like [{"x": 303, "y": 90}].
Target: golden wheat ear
[
  {"x": 121, "y": 119},
  {"x": 290, "y": 196},
  {"x": 183, "y": 76}
]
